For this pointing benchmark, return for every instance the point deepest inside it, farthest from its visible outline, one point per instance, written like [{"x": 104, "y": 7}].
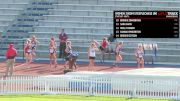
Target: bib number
[
  {"x": 29, "y": 51},
  {"x": 51, "y": 50}
]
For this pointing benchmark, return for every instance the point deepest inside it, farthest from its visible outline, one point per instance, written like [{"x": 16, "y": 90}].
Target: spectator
[
  {"x": 103, "y": 48},
  {"x": 111, "y": 41},
  {"x": 155, "y": 49},
  {"x": 63, "y": 38},
  {"x": 111, "y": 38},
  {"x": 10, "y": 56}
]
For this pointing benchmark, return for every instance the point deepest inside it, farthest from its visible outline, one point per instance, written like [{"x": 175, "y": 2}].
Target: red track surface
[{"x": 44, "y": 69}]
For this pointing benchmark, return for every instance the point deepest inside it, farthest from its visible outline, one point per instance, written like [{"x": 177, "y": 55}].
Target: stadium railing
[
  {"x": 107, "y": 84},
  {"x": 167, "y": 52}
]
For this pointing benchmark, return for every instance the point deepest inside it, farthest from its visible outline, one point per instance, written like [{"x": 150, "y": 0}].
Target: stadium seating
[
  {"x": 9, "y": 11},
  {"x": 19, "y": 17},
  {"x": 95, "y": 17},
  {"x": 83, "y": 20}
]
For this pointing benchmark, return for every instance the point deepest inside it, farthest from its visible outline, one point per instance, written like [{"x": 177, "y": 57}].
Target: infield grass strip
[{"x": 68, "y": 98}]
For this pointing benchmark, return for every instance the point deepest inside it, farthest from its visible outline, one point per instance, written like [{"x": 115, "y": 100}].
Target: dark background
[{"x": 153, "y": 26}]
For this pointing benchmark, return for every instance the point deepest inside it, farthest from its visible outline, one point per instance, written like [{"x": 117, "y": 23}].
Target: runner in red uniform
[{"x": 28, "y": 52}]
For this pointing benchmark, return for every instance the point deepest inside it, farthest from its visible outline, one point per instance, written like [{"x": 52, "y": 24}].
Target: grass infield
[{"x": 68, "y": 98}]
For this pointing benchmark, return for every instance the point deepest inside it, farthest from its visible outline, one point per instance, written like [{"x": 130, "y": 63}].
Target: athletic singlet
[
  {"x": 33, "y": 44},
  {"x": 140, "y": 54},
  {"x": 68, "y": 50},
  {"x": 27, "y": 49},
  {"x": 104, "y": 44},
  {"x": 92, "y": 52},
  {"x": 118, "y": 49},
  {"x": 51, "y": 50}
]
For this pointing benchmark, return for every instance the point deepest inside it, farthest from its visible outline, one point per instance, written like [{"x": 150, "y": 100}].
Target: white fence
[{"x": 100, "y": 85}]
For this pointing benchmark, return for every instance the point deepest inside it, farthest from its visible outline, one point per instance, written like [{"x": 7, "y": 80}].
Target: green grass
[{"x": 66, "y": 98}]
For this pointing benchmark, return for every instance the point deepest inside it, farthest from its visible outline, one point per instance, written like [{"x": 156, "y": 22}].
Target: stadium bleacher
[
  {"x": 83, "y": 21},
  {"x": 20, "y": 16}
]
